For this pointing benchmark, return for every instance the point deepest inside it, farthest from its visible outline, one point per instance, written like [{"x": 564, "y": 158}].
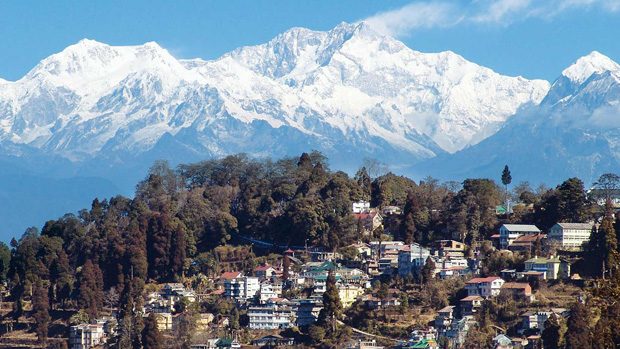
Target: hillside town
[
  {"x": 290, "y": 292},
  {"x": 405, "y": 265}
]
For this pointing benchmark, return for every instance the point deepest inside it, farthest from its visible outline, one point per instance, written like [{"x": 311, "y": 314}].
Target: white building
[
  {"x": 86, "y": 336},
  {"x": 241, "y": 288},
  {"x": 570, "y": 234},
  {"x": 271, "y": 316},
  {"x": 484, "y": 287},
  {"x": 361, "y": 206},
  {"x": 510, "y": 232},
  {"x": 269, "y": 290},
  {"x": 411, "y": 258}
]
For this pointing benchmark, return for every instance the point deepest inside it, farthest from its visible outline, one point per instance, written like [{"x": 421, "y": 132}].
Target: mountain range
[
  {"x": 88, "y": 121},
  {"x": 573, "y": 132}
]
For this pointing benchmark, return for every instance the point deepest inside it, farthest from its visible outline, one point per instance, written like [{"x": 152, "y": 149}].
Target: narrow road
[{"x": 366, "y": 333}]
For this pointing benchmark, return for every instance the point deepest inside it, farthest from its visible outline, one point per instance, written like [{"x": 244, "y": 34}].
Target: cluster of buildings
[
  {"x": 269, "y": 307},
  {"x": 519, "y": 237},
  {"x": 261, "y": 294},
  {"x": 91, "y": 335}
]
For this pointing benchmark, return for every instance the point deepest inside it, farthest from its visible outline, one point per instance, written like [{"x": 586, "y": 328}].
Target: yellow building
[
  {"x": 349, "y": 294},
  {"x": 164, "y": 321}
]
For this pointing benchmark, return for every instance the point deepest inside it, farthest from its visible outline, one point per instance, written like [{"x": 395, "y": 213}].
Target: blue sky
[{"x": 532, "y": 38}]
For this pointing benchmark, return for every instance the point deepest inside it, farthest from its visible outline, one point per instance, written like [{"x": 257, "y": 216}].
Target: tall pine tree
[
  {"x": 178, "y": 251},
  {"x": 90, "y": 289},
  {"x": 40, "y": 308},
  {"x": 151, "y": 337},
  {"x": 551, "y": 333},
  {"x": 608, "y": 244},
  {"x": 332, "y": 306},
  {"x": 578, "y": 331}
]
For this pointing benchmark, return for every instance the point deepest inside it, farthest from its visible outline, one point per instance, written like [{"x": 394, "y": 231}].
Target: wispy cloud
[
  {"x": 442, "y": 14},
  {"x": 401, "y": 21},
  {"x": 501, "y": 11}
]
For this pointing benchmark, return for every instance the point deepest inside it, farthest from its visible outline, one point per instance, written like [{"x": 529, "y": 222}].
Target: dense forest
[{"x": 179, "y": 218}]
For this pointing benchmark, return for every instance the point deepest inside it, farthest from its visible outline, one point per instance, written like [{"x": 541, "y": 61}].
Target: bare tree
[
  {"x": 374, "y": 167},
  {"x": 606, "y": 185}
]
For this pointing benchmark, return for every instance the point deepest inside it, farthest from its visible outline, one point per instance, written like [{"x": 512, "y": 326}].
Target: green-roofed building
[
  {"x": 425, "y": 344},
  {"x": 553, "y": 267}
]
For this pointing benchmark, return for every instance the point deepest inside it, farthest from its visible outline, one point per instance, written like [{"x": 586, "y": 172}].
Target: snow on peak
[
  {"x": 91, "y": 67},
  {"x": 350, "y": 79},
  {"x": 594, "y": 63}
]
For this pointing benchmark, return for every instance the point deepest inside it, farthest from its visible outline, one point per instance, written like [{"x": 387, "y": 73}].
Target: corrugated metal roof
[
  {"x": 587, "y": 226},
  {"x": 521, "y": 227}
]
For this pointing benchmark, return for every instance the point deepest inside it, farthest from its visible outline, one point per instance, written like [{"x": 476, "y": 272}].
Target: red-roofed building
[
  {"x": 526, "y": 242},
  {"x": 264, "y": 271},
  {"x": 370, "y": 220},
  {"x": 229, "y": 275},
  {"x": 520, "y": 290},
  {"x": 484, "y": 287}
]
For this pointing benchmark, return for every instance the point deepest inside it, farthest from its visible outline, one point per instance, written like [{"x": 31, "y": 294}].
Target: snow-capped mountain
[
  {"x": 345, "y": 91},
  {"x": 105, "y": 113},
  {"x": 574, "y": 132}
]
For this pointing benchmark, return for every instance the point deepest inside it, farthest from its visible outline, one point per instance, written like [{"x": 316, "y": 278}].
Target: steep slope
[
  {"x": 353, "y": 70},
  {"x": 575, "y": 131}
]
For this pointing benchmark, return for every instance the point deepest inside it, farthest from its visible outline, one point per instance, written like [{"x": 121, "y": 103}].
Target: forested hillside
[{"x": 174, "y": 226}]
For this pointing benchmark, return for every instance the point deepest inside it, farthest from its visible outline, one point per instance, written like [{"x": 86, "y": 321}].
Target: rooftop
[
  {"x": 472, "y": 298},
  {"x": 231, "y": 275},
  {"x": 587, "y": 226},
  {"x": 516, "y": 285},
  {"x": 542, "y": 260},
  {"x": 522, "y": 227},
  {"x": 487, "y": 279},
  {"x": 528, "y": 239}
]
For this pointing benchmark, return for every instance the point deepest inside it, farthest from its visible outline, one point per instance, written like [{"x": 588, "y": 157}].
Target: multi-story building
[
  {"x": 269, "y": 291},
  {"x": 444, "y": 317},
  {"x": 164, "y": 321},
  {"x": 307, "y": 310},
  {"x": 369, "y": 220},
  {"x": 241, "y": 288},
  {"x": 571, "y": 235},
  {"x": 450, "y": 249},
  {"x": 553, "y": 267},
  {"x": 86, "y": 336},
  {"x": 271, "y": 316},
  {"x": 484, "y": 287},
  {"x": 536, "y": 319},
  {"x": 349, "y": 294},
  {"x": 264, "y": 271},
  {"x": 510, "y": 232},
  {"x": 470, "y": 304},
  {"x": 518, "y": 290},
  {"x": 411, "y": 258}
]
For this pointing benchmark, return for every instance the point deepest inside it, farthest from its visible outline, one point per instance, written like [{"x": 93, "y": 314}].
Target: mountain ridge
[
  {"x": 305, "y": 79},
  {"x": 573, "y": 132},
  {"x": 109, "y": 111}
]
